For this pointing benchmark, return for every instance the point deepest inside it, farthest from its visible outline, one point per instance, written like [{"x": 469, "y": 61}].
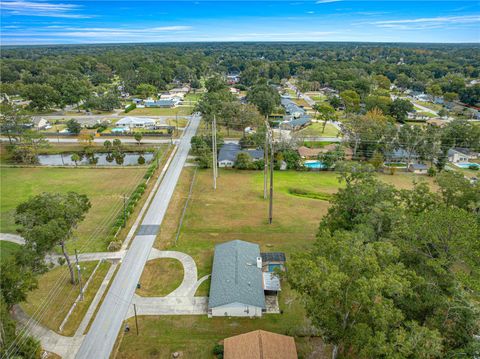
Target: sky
[{"x": 30, "y": 22}]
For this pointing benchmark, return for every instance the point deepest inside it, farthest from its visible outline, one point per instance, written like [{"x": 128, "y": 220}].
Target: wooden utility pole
[
  {"x": 79, "y": 275},
  {"x": 214, "y": 159},
  {"x": 216, "y": 149},
  {"x": 270, "y": 210},
  {"x": 136, "y": 320},
  {"x": 124, "y": 211},
  {"x": 265, "y": 159}
]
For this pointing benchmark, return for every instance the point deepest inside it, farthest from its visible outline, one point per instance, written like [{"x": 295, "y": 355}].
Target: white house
[
  {"x": 457, "y": 154},
  {"x": 136, "y": 122},
  {"x": 236, "y": 288}
]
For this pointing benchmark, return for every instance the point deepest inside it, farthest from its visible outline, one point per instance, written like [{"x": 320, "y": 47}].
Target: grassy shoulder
[
  {"x": 160, "y": 277},
  {"x": 104, "y": 187},
  {"x": 51, "y": 301}
]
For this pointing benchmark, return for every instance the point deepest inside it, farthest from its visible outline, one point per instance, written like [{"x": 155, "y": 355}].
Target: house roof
[
  {"x": 298, "y": 121},
  {"x": 230, "y": 151},
  {"x": 135, "y": 121},
  {"x": 419, "y": 166},
  {"x": 260, "y": 344},
  {"x": 463, "y": 151},
  {"x": 273, "y": 257},
  {"x": 235, "y": 275},
  {"x": 271, "y": 281}
]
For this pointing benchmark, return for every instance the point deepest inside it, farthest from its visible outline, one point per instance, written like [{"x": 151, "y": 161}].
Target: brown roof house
[
  {"x": 308, "y": 153},
  {"x": 260, "y": 344}
]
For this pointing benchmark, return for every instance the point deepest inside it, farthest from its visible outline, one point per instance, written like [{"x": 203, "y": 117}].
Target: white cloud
[
  {"x": 31, "y": 8},
  {"x": 326, "y": 1},
  {"x": 427, "y": 22}
]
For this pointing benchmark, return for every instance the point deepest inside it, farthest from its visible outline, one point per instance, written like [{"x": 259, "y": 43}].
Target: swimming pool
[
  {"x": 271, "y": 267},
  {"x": 314, "y": 164},
  {"x": 467, "y": 165}
]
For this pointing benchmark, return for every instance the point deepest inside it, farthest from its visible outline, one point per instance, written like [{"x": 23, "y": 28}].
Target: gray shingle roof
[
  {"x": 230, "y": 151},
  {"x": 235, "y": 276}
]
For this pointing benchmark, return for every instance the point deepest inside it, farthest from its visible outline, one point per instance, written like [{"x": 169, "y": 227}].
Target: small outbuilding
[
  {"x": 260, "y": 344},
  {"x": 418, "y": 168}
]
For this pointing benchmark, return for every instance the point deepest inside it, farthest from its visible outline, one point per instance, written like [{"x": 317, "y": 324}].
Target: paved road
[{"x": 101, "y": 337}]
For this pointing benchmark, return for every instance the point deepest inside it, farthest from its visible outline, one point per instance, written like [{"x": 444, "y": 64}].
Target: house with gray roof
[
  {"x": 229, "y": 151},
  {"x": 236, "y": 288}
]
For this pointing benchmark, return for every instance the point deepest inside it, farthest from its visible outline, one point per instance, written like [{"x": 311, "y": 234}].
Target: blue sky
[{"x": 79, "y": 22}]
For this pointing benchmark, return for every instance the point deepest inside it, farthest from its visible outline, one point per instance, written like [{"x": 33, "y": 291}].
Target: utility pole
[
  {"x": 214, "y": 155},
  {"x": 79, "y": 275},
  {"x": 176, "y": 120},
  {"x": 270, "y": 211},
  {"x": 124, "y": 211},
  {"x": 136, "y": 320},
  {"x": 265, "y": 160},
  {"x": 216, "y": 149}
]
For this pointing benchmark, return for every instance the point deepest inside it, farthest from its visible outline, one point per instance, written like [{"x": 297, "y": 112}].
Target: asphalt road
[{"x": 101, "y": 337}]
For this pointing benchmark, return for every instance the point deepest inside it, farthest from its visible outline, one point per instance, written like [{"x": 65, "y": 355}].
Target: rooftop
[
  {"x": 235, "y": 275},
  {"x": 260, "y": 344}
]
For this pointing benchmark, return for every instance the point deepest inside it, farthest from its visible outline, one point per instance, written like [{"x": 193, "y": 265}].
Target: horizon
[{"x": 67, "y": 22}]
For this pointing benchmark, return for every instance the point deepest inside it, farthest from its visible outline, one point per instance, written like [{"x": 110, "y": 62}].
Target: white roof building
[{"x": 133, "y": 122}]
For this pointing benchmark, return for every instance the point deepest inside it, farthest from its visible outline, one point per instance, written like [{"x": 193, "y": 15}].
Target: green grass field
[
  {"x": 160, "y": 277},
  {"x": 7, "y": 249},
  {"x": 153, "y": 111},
  {"x": 316, "y": 130},
  {"x": 104, "y": 187}
]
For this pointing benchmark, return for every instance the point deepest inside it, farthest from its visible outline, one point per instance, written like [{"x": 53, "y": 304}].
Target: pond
[
  {"x": 314, "y": 164},
  {"x": 130, "y": 159}
]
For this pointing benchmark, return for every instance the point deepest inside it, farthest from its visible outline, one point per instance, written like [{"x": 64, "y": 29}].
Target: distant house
[
  {"x": 418, "y": 168},
  {"x": 437, "y": 122},
  {"x": 309, "y": 153},
  {"x": 233, "y": 78},
  {"x": 260, "y": 344},
  {"x": 296, "y": 124},
  {"x": 458, "y": 154},
  {"x": 180, "y": 90},
  {"x": 234, "y": 91},
  {"x": 229, "y": 152},
  {"x": 237, "y": 283},
  {"x": 291, "y": 108},
  {"x": 40, "y": 123},
  {"x": 163, "y": 103},
  {"x": 135, "y": 122}
]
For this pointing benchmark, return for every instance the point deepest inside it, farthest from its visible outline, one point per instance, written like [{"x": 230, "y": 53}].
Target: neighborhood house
[
  {"x": 457, "y": 154},
  {"x": 229, "y": 152},
  {"x": 136, "y": 122}
]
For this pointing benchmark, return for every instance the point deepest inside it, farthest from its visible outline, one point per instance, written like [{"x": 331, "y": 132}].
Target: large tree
[
  {"x": 49, "y": 219},
  {"x": 265, "y": 97}
]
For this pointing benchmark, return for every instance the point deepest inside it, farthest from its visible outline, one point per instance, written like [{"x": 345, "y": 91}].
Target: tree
[
  {"x": 350, "y": 288},
  {"x": 16, "y": 281},
  {"x": 12, "y": 122},
  {"x": 107, "y": 145},
  {"x": 146, "y": 90},
  {"x": 457, "y": 191},
  {"x": 75, "y": 158},
  {"x": 138, "y": 137},
  {"x": 265, "y": 97},
  {"x": 44, "y": 229},
  {"x": 26, "y": 150},
  {"x": 382, "y": 81},
  {"x": 380, "y": 102},
  {"x": 41, "y": 96},
  {"x": 243, "y": 161},
  {"x": 351, "y": 100},
  {"x": 73, "y": 126},
  {"x": 400, "y": 108},
  {"x": 325, "y": 113}
]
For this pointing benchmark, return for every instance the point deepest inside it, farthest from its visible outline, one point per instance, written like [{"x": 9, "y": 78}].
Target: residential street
[{"x": 103, "y": 333}]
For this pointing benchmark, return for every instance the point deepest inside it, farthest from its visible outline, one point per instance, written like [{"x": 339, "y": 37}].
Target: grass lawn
[
  {"x": 154, "y": 111},
  {"x": 222, "y": 130},
  {"x": 195, "y": 336},
  {"x": 315, "y": 130},
  {"x": 7, "y": 249},
  {"x": 103, "y": 186},
  {"x": 160, "y": 277},
  {"x": 193, "y": 96},
  {"x": 55, "y": 285}
]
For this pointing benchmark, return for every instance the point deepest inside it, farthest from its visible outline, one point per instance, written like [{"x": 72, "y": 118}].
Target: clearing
[{"x": 316, "y": 130}]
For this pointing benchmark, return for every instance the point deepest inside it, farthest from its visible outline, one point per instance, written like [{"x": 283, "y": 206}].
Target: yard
[
  {"x": 155, "y": 111},
  {"x": 104, "y": 187},
  {"x": 7, "y": 249},
  {"x": 55, "y": 295},
  {"x": 316, "y": 130},
  {"x": 236, "y": 210}
]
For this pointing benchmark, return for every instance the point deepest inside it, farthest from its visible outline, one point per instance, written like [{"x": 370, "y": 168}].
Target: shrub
[
  {"x": 431, "y": 172},
  {"x": 218, "y": 350},
  {"x": 114, "y": 246},
  {"x": 130, "y": 107},
  {"x": 473, "y": 167}
]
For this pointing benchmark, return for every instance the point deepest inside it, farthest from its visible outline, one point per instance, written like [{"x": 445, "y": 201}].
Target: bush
[
  {"x": 218, "y": 350},
  {"x": 473, "y": 167},
  {"x": 431, "y": 172},
  {"x": 114, "y": 246},
  {"x": 130, "y": 107}
]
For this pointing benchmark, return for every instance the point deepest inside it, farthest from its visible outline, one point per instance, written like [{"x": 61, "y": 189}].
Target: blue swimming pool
[
  {"x": 467, "y": 165},
  {"x": 271, "y": 267},
  {"x": 314, "y": 164}
]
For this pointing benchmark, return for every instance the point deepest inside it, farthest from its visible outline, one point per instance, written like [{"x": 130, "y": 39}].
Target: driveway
[{"x": 14, "y": 238}]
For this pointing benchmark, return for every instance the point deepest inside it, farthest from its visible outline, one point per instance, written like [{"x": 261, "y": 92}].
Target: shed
[
  {"x": 237, "y": 283},
  {"x": 418, "y": 168}
]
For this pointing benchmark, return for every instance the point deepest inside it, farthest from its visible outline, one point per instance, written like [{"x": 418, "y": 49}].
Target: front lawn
[
  {"x": 316, "y": 130},
  {"x": 160, "y": 277}
]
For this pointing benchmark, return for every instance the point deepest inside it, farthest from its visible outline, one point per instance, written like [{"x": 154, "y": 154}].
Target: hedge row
[
  {"x": 129, "y": 207},
  {"x": 130, "y": 107}
]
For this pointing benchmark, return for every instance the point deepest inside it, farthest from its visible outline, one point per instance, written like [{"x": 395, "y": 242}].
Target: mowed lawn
[
  {"x": 237, "y": 210},
  {"x": 104, "y": 187},
  {"x": 316, "y": 130},
  {"x": 7, "y": 249}
]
